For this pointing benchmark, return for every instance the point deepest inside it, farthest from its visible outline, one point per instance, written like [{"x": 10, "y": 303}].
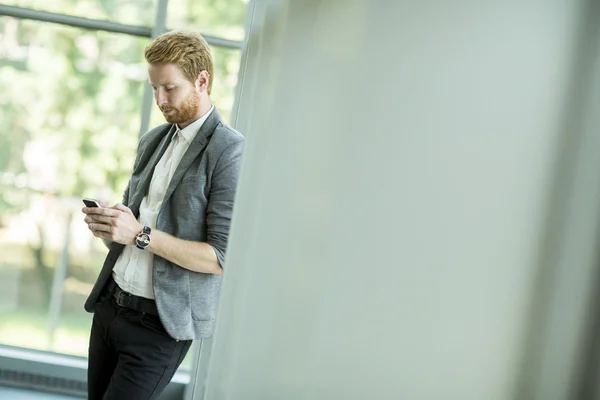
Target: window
[
  {"x": 219, "y": 18},
  {"x": 71, "y": 103},
  {"x": 134, "y": 12}
]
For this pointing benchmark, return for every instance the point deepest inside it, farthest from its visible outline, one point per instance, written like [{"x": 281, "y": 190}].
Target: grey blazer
[{"x": 197, "y": 206}]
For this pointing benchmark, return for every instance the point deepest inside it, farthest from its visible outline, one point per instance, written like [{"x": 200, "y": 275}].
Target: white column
[{"x": 394, "y": 197}]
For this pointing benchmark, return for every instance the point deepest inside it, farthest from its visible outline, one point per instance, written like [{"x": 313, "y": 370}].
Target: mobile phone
[{"x": 91, "y": 203}]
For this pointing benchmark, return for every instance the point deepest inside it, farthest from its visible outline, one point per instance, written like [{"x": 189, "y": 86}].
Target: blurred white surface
[{"x": 392, "y": 208}]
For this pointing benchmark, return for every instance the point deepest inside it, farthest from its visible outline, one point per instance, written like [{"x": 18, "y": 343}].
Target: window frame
[{"x": 59, "y": 371}]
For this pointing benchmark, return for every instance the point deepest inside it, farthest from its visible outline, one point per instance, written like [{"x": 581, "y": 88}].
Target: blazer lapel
[
  {"x": 196, "y": 147},
  {"x": 148, "y": 170}
]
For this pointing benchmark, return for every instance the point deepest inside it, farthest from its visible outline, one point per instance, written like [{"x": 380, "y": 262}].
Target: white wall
[{"x": 392, "y": 208}]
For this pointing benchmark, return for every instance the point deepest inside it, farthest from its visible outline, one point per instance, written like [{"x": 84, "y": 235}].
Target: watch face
[{"x": 143, "y": 239}]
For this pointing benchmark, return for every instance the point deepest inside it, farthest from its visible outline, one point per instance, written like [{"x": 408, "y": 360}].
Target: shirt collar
[{"x": 189, "y": 132}]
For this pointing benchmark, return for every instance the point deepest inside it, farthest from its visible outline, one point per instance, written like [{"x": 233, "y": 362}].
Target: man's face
[{"x": 177, "y": 97}]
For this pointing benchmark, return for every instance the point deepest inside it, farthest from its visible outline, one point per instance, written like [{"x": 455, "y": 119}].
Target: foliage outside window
[{"x": 70, "y": 104}]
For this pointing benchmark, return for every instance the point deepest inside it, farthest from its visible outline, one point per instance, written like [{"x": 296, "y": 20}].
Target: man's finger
[
  {"x": 108, "y": 212},
  {"x": 97, "y": 218},
  {"x": 99, "y": 234},
  {"x": 123, "y": 208},
  {"x": 95, "y": 227},
  {"x": 102, "y": 219}
]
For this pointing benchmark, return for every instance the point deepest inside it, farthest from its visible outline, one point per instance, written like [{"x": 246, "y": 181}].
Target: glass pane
[
  {"x": 227, "y": 63},
  {"x": 131, "y": 12},
  {"x": 220, "y": 18},
  {"x": 70, "y": 103}
]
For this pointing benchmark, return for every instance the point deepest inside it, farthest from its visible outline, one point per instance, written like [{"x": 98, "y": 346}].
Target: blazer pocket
[
  {"x": 204, "y": 297},
  {"x": 200, "y": 311}
]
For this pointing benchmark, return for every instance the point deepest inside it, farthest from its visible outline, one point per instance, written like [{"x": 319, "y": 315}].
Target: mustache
[{"x": 166, "y": 109}]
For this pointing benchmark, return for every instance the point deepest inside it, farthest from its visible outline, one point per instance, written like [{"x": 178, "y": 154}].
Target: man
[{"x": 158, "y": 288}]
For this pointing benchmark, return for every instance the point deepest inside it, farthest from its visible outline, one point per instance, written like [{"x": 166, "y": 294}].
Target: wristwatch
[{"x": 142, "y": 240}]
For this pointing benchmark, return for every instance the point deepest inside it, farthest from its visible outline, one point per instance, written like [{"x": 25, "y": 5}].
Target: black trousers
[{"x": 131, "y": 356}]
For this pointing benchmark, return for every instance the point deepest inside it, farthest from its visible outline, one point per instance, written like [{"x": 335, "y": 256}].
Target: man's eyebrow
[{"x": 164, "y": 84}]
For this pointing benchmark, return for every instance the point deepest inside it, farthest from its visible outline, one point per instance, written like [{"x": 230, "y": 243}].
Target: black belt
[{"x": 128, "y": 300}]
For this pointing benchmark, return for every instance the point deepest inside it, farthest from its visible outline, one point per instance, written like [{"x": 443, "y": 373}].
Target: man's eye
[{"x": 170, "y": 88}]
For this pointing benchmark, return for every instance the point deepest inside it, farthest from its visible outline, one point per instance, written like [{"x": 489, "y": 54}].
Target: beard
[{"x": 184, "y": 113}]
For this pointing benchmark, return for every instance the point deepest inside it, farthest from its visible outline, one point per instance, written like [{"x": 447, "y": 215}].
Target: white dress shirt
[{"x": 133, "y": 269}]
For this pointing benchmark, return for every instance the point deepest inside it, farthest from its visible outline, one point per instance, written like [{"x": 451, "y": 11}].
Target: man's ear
[{"x": 202, "y": 81}]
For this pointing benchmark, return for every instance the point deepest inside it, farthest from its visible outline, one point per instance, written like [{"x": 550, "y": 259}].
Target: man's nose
[{"x": 160, "y": 97}]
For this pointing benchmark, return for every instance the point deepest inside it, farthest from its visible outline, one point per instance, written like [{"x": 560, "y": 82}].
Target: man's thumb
[{"x": 121, "y": 207}]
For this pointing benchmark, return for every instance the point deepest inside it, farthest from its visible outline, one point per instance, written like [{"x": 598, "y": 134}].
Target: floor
[{"x": 20, "y": 394}]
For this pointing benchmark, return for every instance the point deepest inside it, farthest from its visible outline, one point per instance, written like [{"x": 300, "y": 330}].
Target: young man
[{"x": 158, "y": 288}]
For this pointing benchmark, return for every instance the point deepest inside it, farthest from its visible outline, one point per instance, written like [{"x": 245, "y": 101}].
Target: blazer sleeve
[{"x": 220, "y": 201}]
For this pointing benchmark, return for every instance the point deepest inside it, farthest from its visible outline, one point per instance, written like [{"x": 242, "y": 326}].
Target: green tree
[{"x": 70, "y": 101}]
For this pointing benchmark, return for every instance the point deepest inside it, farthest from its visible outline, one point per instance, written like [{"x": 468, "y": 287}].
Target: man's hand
[{"x": 117, "y": 223}]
